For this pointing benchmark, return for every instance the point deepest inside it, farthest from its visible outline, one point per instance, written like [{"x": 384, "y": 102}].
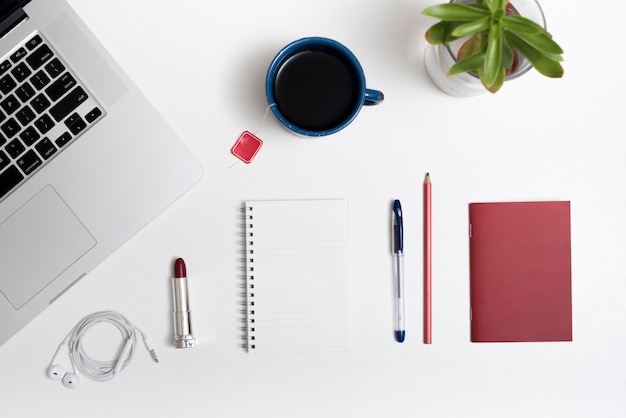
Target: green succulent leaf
[
  {"x": 542, "y": 42},
  {"x": 544, "y": 45},
  {"x": 493, "y": 56},
  {"x": 508, "y": 56},
  {"x": 456, "y": 12},
  {"x": 494, "y": 5},
  {"x": 471, "y": 63},
  {"x": 470, "y": 28},
  {"x": 471, "y": 46},
  {"x": 497, "y": 82},
  {"x": 521, "y": 24},
  {"x": 542, "y": 63},
  {"x": 441, "y": 33}
]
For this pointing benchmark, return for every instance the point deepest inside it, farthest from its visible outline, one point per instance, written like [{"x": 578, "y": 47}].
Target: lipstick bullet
[{"x": 183, "y": 334}]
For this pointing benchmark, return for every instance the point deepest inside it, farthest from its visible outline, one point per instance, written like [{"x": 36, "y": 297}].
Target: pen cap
[{"x": 397, "y": 230}]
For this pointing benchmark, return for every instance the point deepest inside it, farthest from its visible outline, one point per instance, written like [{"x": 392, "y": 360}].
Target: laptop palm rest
[{"x": 39, "y": 241}]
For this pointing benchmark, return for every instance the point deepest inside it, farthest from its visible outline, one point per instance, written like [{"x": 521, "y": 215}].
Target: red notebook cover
[{"x": 520, "y": 271}]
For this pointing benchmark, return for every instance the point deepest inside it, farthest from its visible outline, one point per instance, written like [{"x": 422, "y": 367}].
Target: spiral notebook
[{"x": 297, "y": 276}]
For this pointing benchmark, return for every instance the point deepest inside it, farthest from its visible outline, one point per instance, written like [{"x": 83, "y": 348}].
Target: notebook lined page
[{"x": 297, "y": 275}]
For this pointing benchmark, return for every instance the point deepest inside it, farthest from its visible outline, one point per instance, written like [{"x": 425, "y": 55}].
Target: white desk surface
[{"x": 203, "y": 64}]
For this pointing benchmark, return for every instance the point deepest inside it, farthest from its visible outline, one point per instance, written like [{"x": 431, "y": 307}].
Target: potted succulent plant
[{"x": 486, "y": 42}]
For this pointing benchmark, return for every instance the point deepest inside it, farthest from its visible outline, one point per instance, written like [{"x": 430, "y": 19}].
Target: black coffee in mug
[
  {"x": 315, "y": 90},
  {"x": 316, "y": 87}
]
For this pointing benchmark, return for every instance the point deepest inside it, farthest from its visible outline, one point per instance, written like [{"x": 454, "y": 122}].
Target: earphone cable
[{"x": 104, "y": 370}]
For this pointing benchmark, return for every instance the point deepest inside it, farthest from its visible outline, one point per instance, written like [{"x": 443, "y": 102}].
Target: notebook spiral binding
[{"x": 249, "y": 328}]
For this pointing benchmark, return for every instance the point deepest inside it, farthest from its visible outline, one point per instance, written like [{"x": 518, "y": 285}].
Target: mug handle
[{"x": 373, "y": 97}]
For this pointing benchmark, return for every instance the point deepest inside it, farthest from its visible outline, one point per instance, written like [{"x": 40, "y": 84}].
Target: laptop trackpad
[{"x": 43, "y": 239}]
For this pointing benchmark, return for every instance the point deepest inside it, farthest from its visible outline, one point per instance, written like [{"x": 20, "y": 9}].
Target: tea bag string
[{"x": 267, "y": 110}]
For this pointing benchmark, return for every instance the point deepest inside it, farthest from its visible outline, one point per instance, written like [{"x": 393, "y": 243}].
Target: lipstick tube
[{"x": 183, "y": 334}]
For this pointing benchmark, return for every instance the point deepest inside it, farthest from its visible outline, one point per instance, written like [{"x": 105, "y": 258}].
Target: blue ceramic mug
[{"x": 316, "y": 86}]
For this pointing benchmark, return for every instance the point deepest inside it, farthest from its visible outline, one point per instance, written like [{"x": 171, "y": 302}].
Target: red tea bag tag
[{"x": 246, "y": 147}]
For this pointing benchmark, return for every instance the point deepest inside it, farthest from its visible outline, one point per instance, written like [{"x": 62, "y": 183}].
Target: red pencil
[{"x": 427, "y": 261}]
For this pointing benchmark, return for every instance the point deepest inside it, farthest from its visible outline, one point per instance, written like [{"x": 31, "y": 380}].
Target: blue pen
[{"x": 397, "y": 234}]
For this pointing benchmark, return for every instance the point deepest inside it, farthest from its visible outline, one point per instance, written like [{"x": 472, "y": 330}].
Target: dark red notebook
[{"x": 520, "y": 271}]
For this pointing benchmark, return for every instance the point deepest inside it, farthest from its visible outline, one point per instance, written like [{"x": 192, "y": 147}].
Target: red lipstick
[
  {"x": 183, "y": 335},
  {"x": 180, "y": 269}
]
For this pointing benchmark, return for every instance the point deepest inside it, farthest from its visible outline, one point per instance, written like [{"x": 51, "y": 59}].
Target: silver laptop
[{"x": 85, "y": 160}]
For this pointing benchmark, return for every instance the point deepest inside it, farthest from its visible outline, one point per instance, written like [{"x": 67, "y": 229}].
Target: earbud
[
  {"x": 56, "y": 372},
  {"x": 70, "y": 380}
]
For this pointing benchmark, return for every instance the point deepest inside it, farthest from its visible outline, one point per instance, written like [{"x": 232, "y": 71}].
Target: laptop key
[
  {"x": 93, "y": 114},
  {"x": 78, "y": 126},
  {"x": 44, "y": 124},
  {"x": 9, "y": 178},
  {"x": 4, "y": 66},
  {"x": 36, "y": 40},
  {"x": 4, "y": 160},
  {"x": 29, "y": 136},
  {"x": 75, "y": 123},
  {"x": 40, "y": 103},
  {"x": 15, "y": 148},
  {"x": 18, "y": 55},
  {"x": 7, "y": 84},
  {"x": 39, "y": 57},
  {"x": 29, "y": 162},
  {"x": 45, "y": 148},
  {"x": 25, "y": 115},
  {"x": 40, "y": 80},
  {"x": 54, "y": 68},
  {"x": 10, "y": 104},
  {"x": 10, "y": 128},
  {"x": 25, "y": 92},
  {"x": 63, "y": 139},
  {"x": 61, "y": 86},
  {"x": 67, "y": 105},
  {"x": 20, "y": 72}
]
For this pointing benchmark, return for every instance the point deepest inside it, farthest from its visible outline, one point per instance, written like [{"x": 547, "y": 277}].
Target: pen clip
[{"x": 398, "y": 234}]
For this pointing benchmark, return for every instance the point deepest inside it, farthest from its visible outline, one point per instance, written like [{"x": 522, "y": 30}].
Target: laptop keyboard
[{"x": 43, "y": 108}]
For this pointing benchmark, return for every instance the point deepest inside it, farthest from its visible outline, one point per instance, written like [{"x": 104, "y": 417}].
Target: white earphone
[
  {"x": 70, "y": 380},
  {"x": 57, "y": 372},
  {"x": 95, "y": 369}
]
